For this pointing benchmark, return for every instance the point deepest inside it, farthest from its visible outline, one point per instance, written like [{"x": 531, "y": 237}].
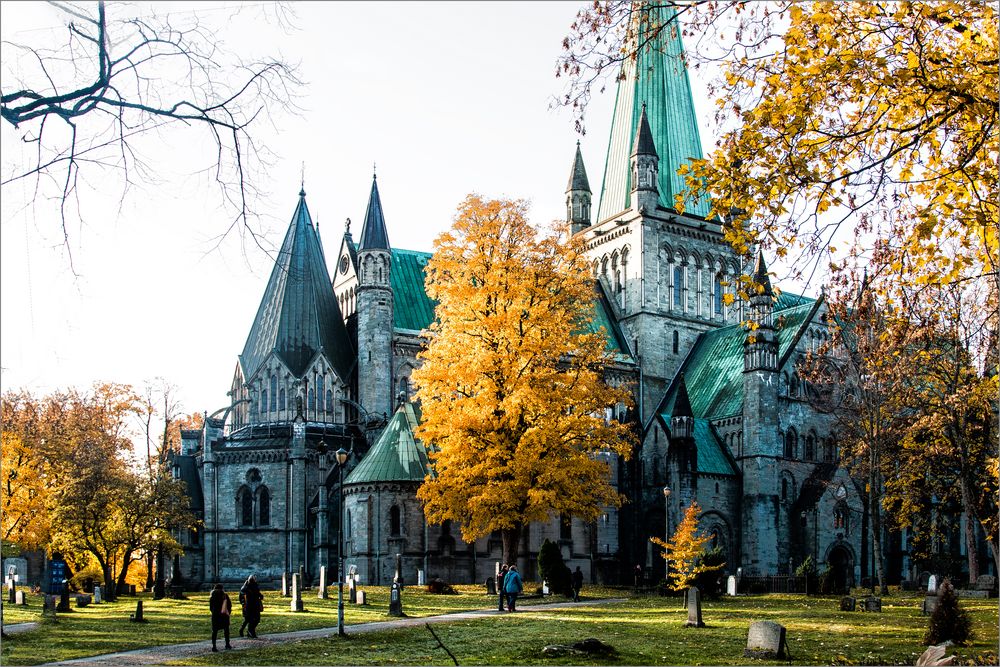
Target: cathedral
[{"x": 722, "y": 416}]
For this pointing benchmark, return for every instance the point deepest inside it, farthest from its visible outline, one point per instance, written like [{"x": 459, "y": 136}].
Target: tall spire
[
  {"x": 373, "y": 233},
  {"x": 578, "y": 174},
  {"x": 760, "y": 275},
  {"x": 578, "y": 195},
  {"x": 658, "y": 78},
  {"x": 682, "y": 419},
  {"x": 643, "y": 143}
]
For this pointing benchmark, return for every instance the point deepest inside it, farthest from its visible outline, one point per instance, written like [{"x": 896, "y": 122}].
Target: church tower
[
  {"x": 375, "y": 311},
  {"x": 578, "y": 195},
  {"x": 761, "y": 446},
  {"x": 645, "y": 166},
  {"x": 683, "y": 452}
]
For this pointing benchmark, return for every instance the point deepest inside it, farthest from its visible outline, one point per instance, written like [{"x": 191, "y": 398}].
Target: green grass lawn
[{"x": 644, "y": 630}]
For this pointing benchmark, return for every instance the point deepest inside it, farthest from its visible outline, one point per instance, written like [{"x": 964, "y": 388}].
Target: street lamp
[
  {"x": 341, "y": 461},
  {"x": 666, "y": 514}
]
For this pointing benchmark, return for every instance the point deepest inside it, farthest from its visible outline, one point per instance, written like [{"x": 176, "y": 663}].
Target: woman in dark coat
[
  {"x": 253, "y": 603},
  {"x": 222, "y": 608}
]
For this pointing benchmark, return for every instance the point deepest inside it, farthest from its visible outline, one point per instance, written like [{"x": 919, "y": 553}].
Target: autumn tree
[
  {"x": 878, "y": 116},
  {"x": 85, "y": 102},
  {"x": 25, "y": 484},
  {"x": 514, "y": 384},
  {"x": 685, "y": 550}
]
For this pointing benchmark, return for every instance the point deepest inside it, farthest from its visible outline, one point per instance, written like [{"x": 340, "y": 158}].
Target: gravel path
[{"x": 159, "y": 655}]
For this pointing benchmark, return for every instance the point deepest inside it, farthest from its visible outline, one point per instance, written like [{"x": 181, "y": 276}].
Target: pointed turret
[
  {"x": 682, "y": 419},
  {"x": 645, "y": 165},
  {"x": 659, "y": 79},
  {"x": 375, "y": 311},
  {"x": 373, "y": 233},
  {"x": 578, "y": 195},
  {"x": 298, "y": 315},
  {"x": 761, "y": 277},
  {"x": 761, "y": 347}
]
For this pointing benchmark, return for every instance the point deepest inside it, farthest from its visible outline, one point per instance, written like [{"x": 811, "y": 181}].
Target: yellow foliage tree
[
  {"x": 684, "y": 551},
  {"x": 25, "y": 484},
  {"x": 513, "y": 387}
]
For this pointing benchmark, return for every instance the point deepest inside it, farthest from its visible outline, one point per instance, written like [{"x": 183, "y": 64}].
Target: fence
[{"x": 773, "y": 584}]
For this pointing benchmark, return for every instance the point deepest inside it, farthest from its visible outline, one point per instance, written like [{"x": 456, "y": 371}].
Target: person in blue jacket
[{"x": 512, "y": 585}]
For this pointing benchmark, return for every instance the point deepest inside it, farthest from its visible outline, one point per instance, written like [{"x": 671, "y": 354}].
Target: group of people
[
  {"x": 252, "y": 602},
  {"x": 510, "y": 585}
]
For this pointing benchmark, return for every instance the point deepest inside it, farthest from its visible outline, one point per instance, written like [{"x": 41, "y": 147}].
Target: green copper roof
[
  {"x": 658, "y": 78},
  {"x": 396, "y": 456},
  {"x": 713, "y": 370},
  {"x": 412, "y": 308},
  {"x": 298, "y": 314}
]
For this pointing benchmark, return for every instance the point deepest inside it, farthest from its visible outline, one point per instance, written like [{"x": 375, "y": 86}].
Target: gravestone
[
  {"x": 352, "y": 588},
  {"x": 491, "y": 586},
  {"x": 49, "y": 605},
  {"x": 137, "y": 617},
  {"x": 922, "y": 579},
  {"x": 284, "y": 584},
  {"x": 12, "y": 591},
  {"x": 296, "y": 604},
  {"x": 694, "y": 609},
  {"x": 932, "y": 584},
  {"x": 63, "y": 600},
  {"x": 731, "y": 585},
  {"x": 397, "y": 578},
  {"x": 872, "y": 604},
  {"x": 19, "y": 598},
  {"x": 98, "y": 595},
  {"x": 848, "y": 603},
  {"x": 83, "y": 600},
  {"x": 303, "y": 582},
  {"x": 362, "y": 598},
  {"x": 986, "y": 582},
  {"x": 396, "y": 600},
  {"x": 930, "y": 604},
  {"x": 159, "y": 589},
  {"x": 421, "y": 580},
  {"x": 766, "y": 640},
  {"x": 322, "y": 594},
  {"x": 545, "y": 588}
]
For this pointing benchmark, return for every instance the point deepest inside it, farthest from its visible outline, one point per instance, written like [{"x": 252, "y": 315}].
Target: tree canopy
[{"x": 513, "y": 385}]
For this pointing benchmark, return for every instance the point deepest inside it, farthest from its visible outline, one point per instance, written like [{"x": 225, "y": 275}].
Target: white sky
[{"x": 447, "y": 99}]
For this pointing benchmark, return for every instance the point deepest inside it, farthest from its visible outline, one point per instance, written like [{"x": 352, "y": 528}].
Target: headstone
[
  {"x": 296, "y": 604},
  {"x": 491, "y": 586},
  {"x": 302, "y": 577},
  {"x": 872, "y": 604},
  {"x": 322, "y": 594},
  {"x": 545, "y": 588},
  {"x": 63, "y": 600},
  {"x": 986, "y": 582},
  {"x": 932, "y": 584},
  {"x": 731, "y": 585},
  {"x": 930, "y": 604},
  {"x": 49, "y": 605},
  {"x": 922, "y": 578},
  {"x": 848, "y": 603},
  {"x": 11, "y": 590},
  {"x": 421, "y": 581},
  {"x": 137, "y": 616},
  {"x": 694, "y": 609},
  {"x": 83, "y": 600},
  {"x": 19, "y": 598},
  {"x": 98, "y": 595},
  {"x": 362, "y": 598},
  {"x": 395, "y": 600},
  {"x": 284, "y": 585},
  {"x": 159, "y": 589},
  {"x": 352, "y": 589},
  {"x": 766, "y": 640},
  {"x": 397, "y": 578}
]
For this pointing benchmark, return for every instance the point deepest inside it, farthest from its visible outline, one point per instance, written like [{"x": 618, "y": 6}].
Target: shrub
[
  {"x": 85, "y": 579},
  {"x": 439, "y": 587},
  {"x": 949, "y": 621},
  {"x": 709, "y": 581},
  {"x": 552, "y": 569}
]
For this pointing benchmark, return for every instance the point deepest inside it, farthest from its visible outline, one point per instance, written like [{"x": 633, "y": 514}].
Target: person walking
[
  {"x": 513, "y": 585},
  {"x": 253, "y": 604},
  {"x": 502, "y": 593},
  {"x": 222, "y": 608},
  {"x": 577, "y": 584}
]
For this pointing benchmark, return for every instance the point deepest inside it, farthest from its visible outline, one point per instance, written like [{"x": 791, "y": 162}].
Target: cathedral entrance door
[{"x": 841, "y": 567}]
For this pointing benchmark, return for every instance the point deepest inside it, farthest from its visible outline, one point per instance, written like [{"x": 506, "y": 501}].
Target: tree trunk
[
  {"x": 875, "y": 524},
  {"x": 110, "y": 592},
  {"x": 970, "y": 532},
  {"x": 149, "y": 570},
  {"x": 126, "y": 561},
  {"x": 511, "y": 543}
]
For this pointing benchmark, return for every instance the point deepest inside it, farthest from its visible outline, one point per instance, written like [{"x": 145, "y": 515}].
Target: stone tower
[
  {"x": 761, "y": 446},
  {"x": 375, "y": 311},
  {"x": 683, "y": 452},
  {"x": 645, "y": 168},
  {"x": 578, "y": 195}
]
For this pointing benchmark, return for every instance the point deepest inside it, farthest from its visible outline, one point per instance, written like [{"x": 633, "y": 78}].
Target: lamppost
[
  {"x": 341, "y": 461},
  {"x": 666, "y": 514}
]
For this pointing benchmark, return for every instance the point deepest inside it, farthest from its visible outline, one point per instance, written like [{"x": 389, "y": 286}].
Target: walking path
[{"x": 158, "y": 655}]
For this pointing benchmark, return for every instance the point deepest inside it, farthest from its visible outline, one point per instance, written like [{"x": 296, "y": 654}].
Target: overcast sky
[{"x": 446, "y": 98}]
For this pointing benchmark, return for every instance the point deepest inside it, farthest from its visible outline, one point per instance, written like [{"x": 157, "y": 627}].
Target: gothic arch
[
  {"x": 719, "y": 532},
  {"x": 787, "y": 487},
  {"x": 244, "y": 506}
]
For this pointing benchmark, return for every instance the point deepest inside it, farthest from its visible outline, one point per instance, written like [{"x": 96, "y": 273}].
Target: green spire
[{"x": 659, "y": 80}]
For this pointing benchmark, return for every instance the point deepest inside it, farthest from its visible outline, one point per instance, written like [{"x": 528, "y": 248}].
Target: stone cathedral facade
[{"x": 723, "y": 418}]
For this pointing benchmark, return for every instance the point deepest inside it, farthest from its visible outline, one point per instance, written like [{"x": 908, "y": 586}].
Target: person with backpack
[
  {"x": 501, "y": 575},
  {"x": 221, "y": 608},
  {"x": 513, "y": 585}
]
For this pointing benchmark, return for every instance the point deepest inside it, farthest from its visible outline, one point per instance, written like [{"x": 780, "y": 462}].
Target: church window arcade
[
  {"x": 678, "y": 287},
  {"x": 791, "y": 443},
  {"x": 810, "y": 453},
  {"x": 263, "y": 507},
  {"x": 244, "y": 505},
  {"x": 717, "y": 295}
]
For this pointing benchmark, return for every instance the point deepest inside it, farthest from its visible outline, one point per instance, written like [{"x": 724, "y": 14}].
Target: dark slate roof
[
  {"x": 396, "y": 456},
  {"x": 298, "y": 315},
  {"x": 373, "y": 233},
  {"x": 659, "y": 78},
  {"x": 644, "y": 144},
  {"x": 713, "y": 369},
  {"x": 578, "y": 174},
  {"x": 188, "y": 473}
]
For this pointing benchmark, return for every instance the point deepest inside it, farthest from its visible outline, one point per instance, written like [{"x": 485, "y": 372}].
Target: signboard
[{"x": 57, "y": 575}]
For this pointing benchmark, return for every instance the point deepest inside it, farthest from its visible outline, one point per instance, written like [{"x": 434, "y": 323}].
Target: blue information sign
[{"x": 57, "y": 573}]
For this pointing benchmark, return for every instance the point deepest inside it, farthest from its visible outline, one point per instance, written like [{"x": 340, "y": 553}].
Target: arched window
[
  {"x": 321, "y": 390},
  {"x": 347, "y": 525},
  {"x": 791, "y": 440},
  {"x": 282, "y": 404},
  {"x": 404, "y": 388},
  {"x": 810, "y": 454},
  {"x": 677, "y": 341},
  {"x": 784, "y": 489},
  {"x": 565, "y": 527},
  {"x": 312, "y": 400},
  {"x": 274, "y": 393},
  {"x": 718, "y": 294},
  {"x": 678, "y": 286},
  {"x": 329, "y": 401},
  {"x": 263, "y": 402},
  {"x": 244, "y": 506},
  {"x": 829, "y": 450},
  {"x": 263, "y": 507},
  {"x": 842, "y": 518},
  {"x": 394, "y": 520},
  {"x": 794, "y": 388}
]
